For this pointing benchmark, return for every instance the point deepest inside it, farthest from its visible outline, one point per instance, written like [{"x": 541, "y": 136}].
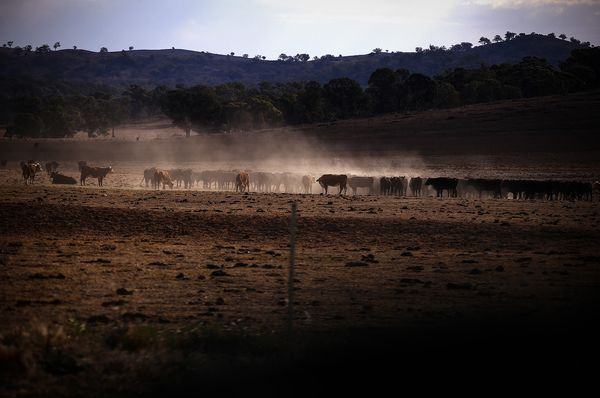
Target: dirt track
[{"x": 205, "y": 257}]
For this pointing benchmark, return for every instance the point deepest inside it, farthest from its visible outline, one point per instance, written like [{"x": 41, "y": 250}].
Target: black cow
[{"x": 441, "y": 184}]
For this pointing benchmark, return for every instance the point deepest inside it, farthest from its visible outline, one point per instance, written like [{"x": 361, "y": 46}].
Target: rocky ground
[{"x": 105, "y": 282}]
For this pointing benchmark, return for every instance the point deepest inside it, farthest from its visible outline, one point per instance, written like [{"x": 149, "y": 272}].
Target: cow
[
  {"x": 361, "y": 182},
  {"x": 441, "y": 184},
  {"x": 181, "y": 175},
  {"x": 481, "y": 185},
  {"x": 415, "y": 185},
  {"x": 332, "y": 180},
  {"x": 62, "y": 179},
  {"x": 51, "y": 167},
  {"x": 81, "y": 163},
  {"x": 242, "y": 182},
  {"x": 398, "y": 186},
  {"x": 96, "y": 172},
  {"x": 29, "y": 171},
  {"x": 385, "y": 186},
  {"x": 161, "y": 176},
  {"x": 307, "y": 182},
  {"x": 148, "y": 176}
]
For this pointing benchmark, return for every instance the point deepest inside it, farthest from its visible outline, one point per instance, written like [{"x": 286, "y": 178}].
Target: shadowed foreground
[{"x": 120, "y": 292}]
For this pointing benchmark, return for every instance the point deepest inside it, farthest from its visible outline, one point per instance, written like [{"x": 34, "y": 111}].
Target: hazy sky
[{"x": 270, "y": 27}]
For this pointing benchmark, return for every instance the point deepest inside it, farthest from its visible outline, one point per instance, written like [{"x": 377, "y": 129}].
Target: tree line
[{"x": 234, "y": 106}]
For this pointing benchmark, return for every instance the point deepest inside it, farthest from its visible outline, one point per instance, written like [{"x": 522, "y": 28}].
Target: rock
[
  {"x": 356, "y": 264},
  {"x": 98, "y": 319},
  {"x": 213, "y": 266},
  {"x": 114, "y": 303},
  {"x": 124, "y": 292},
  {"x": 459, "y": 286},
  {"x": 219, "y": 273},
  {"x": 407, "y": 254}
]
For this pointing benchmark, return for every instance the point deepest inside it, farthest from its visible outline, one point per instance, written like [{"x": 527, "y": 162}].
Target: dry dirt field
[
  {"x": 121, "y": 290},
  {"x": 96, "y": 271}
]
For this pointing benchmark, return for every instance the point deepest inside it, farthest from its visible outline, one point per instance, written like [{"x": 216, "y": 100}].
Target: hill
[{"x": 175, "y": 66}]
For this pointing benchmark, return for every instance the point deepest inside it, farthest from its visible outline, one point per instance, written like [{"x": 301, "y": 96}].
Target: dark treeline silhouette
[{"x": 234, "y": 106}]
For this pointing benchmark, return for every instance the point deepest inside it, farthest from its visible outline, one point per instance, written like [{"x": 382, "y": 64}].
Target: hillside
[
  {"x": 561, "y": 129},
  {"x": 171, "y": 67}
]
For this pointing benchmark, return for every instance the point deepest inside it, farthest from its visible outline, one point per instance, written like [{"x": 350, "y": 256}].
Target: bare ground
[{"x": 94, "y": 261}]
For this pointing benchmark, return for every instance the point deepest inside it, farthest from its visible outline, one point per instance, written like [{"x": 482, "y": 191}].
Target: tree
[
  {"x": 244, "y": 55},
  {"x": 574, "y": 40},
  {"x": 44, "y": 48},
  {"x": 27, "y": 48},
  {"x": 497, "y": 38},
  {"x": 484, "y": 41},
  {"x": 383, "y": 88},
  {"x": 130, "y": 48},
  {"x": 345, "y": 97},
  {"x": 419, "y": 49},
  {"x": 552, "y": 35},
  {"x": 232, "y": 53},
  {"x": 27, "y": 125},
  {"x": 103, "y": 50},
  {"x": 301, "y": 57},
  {"x": 56, "y": 45},
  {"x": 376, "y": 51},
  {"x": 74, "y": 47},
  {"x": 9, "y": 43},
  {"x": 509, "y": 35},
  {"x": 562, "y": 36}
]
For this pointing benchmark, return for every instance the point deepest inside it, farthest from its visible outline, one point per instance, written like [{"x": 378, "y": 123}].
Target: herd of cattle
[
  {"x": 245, "y": 181},
  {"x": 399, "y": 186}
]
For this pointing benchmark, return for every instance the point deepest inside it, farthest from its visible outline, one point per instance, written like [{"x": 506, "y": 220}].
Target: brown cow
[
  {"x": 29, "y": 170},
  {"x": 161, "y": 176},
  {"x": 242, "y": 182},
  {"x": 95, "y": 172},
  {"x": 332, "y": 180},
  {"x": 148, "y": 176}
]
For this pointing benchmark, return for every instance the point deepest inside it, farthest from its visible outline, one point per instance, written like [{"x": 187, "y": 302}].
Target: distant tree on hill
[
  {"x": 244, "y": 55},
  {"x": 562, "y": 36},
  {"x": 9, "y": 43},
  {"x": 376, "y": 50},
  {"x": 103, "y": 50},
  {"x": 130, "y": 48},
  {"x": 56, "y": 45},
  {"x": 484, "y": 41},
  {"x": 44, "y": 48},
  {"x": 301, "y": 57},
  {"x": 232, "y": 53},
  {"x": 552, "y": 35},
  {"x": 574, "y": 40},
  {"x": 74, "y": 47},
  {"x": 509, "y": 35},
  {"x": 498, "y": 39},
  {"x": 419, "y": 49},
  {"x": 27, "y": 48}
]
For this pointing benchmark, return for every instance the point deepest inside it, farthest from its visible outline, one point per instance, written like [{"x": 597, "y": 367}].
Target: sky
[{"x": 272, "y": 27}]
